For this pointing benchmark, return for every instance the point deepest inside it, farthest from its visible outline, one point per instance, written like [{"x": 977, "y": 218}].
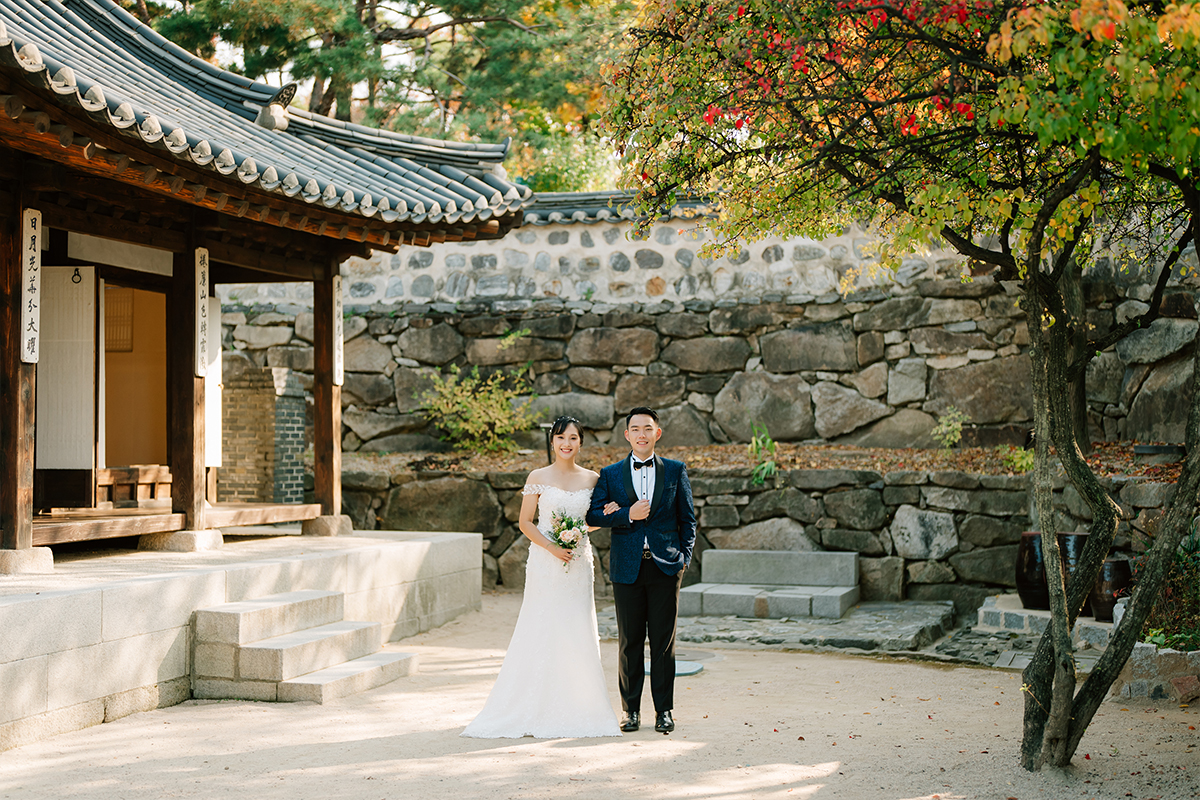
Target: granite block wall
[{"x": 940, "y": 535}]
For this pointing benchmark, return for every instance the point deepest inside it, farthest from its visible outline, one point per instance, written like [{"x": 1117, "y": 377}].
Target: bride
[{"x": 551, "y": 685}]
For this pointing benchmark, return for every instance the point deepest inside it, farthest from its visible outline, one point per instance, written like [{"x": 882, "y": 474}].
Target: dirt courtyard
[{"x": 751, "y": 725}]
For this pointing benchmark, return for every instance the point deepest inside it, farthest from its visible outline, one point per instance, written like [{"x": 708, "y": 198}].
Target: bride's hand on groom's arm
[{"x": 610, "y": 509}]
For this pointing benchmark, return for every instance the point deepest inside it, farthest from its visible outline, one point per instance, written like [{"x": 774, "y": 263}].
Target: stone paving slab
[
  {"x": 1005, "y": 649},
  {"x": 880, "y": 626}
]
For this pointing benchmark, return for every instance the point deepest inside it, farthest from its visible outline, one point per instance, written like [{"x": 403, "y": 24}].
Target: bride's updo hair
[{"x": 562, "y": 423}]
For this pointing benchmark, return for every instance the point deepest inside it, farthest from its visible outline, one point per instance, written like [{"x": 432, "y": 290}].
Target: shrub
[
  {"x": 948, "y": 431},
  {"x": 1015, "y": 458},
  {"x": 475, "y": 413},
  {"x": 762, "y": 450}
]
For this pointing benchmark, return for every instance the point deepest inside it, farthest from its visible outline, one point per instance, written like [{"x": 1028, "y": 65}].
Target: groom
[{"x": 653, "y": 532}]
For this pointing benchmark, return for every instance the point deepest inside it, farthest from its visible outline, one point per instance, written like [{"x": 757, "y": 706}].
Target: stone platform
[
  {"x": 907, "y": 626},
  {"x": 1004, "y": 613},
  {"x": 109, "y": 632},
  {"x": 771, "y": 584}
]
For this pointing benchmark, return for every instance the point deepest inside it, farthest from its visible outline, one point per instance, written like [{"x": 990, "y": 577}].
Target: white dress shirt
[{"x": 643, "y": 483}]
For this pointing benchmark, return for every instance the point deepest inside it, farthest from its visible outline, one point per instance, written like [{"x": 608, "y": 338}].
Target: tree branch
[
  {"x": 1134, "y": 323},
  {"x": 406, "y": 34}
]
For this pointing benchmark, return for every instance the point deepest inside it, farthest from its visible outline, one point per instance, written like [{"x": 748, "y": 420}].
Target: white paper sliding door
[
  {"x": 212, "y": 389},
  {"x": 66, "y": 375}
]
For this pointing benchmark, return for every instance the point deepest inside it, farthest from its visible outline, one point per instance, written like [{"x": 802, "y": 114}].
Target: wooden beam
[
  {"x": 237, "y": 514},
  {"x": 185, "y": 396},
  {"x": 327, "y": 403},
  {"x": 83, "y": 528},
  {"x": 106, "y": 227},
  {"x": 293, "y": 269},
  {"x": 17, "y": 393}
]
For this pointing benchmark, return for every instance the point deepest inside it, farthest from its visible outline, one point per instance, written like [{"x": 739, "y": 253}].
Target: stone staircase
[
  {"x": 290, "y": 647},
  {"x": 771, "y": 584}
]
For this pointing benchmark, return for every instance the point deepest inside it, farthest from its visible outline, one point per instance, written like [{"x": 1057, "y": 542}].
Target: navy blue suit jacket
[{"x": 670, "y": 529}]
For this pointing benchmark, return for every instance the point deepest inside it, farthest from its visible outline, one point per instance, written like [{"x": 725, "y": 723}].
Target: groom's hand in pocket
[{"x": 639, "y": 510}]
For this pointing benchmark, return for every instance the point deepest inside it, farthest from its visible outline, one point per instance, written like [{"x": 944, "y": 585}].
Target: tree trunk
[
  {"x": 1072, "y": 289},
  {"x": 1055, "y": 716},
  {"x": 344, "y": 94},
  {"x": 1153, "y": 575},
  {"x": 318, "y": 94},
  {"x": 144, "y": 12},
  {"x": 329, "y": 97},
  {"x": 1050, "y": 677}
]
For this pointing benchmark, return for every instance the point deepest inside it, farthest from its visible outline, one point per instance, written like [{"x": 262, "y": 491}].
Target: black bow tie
[{"x": 649, "y": 464}]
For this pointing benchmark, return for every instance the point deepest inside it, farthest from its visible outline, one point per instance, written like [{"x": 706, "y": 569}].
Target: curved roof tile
[
  {"x": 98, "y": 58},
  {"x": 589, "y": 208}
]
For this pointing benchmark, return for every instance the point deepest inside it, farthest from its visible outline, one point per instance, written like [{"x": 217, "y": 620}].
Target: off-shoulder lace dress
[{"x": 551, "y": 685}]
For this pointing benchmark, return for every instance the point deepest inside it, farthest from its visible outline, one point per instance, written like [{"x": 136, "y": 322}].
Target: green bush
[
  {"x": 948, "y": 430},
  {"x": 762, "y": 451},
  {"x": 1015, "y": 458},
  {"x": 475, "y": 413}
]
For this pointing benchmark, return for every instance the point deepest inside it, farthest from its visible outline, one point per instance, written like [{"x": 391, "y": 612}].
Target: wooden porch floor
[{"x": 86, "y": 524}]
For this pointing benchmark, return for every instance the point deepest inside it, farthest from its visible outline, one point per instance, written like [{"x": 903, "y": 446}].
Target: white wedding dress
[{"x": 551, "y": 685}]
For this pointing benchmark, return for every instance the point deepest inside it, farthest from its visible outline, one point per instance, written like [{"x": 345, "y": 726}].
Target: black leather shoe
[
  {"x": 663, "y": 722},
  {"x": 631, "y": 722}
]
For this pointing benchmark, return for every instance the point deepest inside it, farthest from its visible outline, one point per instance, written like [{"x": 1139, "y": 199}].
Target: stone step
[
  {"x": 350, "y": 677},
  {"x": 266, "y": 617},
  {"x": 766, "y": 601},
  {"x": 301, "y": 652},
  {"x": 1004, "y": 613},
  {"x": 780, "y": 568}
]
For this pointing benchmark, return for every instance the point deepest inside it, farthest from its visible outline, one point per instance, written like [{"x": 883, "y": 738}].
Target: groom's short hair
[{"x": 644, "y": 410}]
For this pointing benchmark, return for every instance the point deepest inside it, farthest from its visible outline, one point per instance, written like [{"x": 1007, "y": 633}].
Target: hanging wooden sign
[
  {"x": 339, "y": 375},
  {"x": 31, "y": 285},
  {"x": 202, "y": 321}
]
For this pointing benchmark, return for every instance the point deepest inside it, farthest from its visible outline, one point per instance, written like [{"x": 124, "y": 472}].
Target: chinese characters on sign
[
  {"x": 31, "y": 284},
  {"x": 201, "y": 312},
  {"x": 338, "y": 360}
]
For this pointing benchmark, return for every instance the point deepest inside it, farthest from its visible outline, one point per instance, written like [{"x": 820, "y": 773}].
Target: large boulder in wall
[
  {"x": 829, "y": 346},
  {"x": 906, "y": 428},
  {"x": 839, "y": 410},
  {"x": 593, "y": 411},
  {"x": 608, "y": 346},
  {"x": 443, "y": 504},
  {"x": 986, "y": 392},
  {"x": 1164, "y": 337},
  {"x": 682, "y": 427},
  {"x": 1159, "y": 412},
  {"x": 781, "y": 533},
  {"x": 780, "y": 402}
]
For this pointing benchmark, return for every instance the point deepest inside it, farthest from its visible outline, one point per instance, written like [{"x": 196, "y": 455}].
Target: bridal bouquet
[{"x": 567, "y": 532}]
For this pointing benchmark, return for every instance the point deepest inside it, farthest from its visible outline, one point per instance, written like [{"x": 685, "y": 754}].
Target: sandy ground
[{"x": 750, "y": 725}]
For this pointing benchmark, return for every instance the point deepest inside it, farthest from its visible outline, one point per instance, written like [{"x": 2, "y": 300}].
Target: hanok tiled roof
[
  {"x": 94, "y": 56},
  {"x": 589, "y": 208}
]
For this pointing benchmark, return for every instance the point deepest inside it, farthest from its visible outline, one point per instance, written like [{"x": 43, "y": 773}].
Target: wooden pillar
[
  {"x": 327, "y": 396},
  {"x": 17, "y": 395},
  {"x": 185, "y": 395}
]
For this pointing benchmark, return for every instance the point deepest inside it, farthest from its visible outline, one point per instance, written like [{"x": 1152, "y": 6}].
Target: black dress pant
[{"x": 648, "y": 607}]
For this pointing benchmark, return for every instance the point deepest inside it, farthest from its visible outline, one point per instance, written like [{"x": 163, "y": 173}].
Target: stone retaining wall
[
  {"x": 921, "y": 535},
  {"x": 758, "y": 334},
  {"x": 873, "y": 368}
]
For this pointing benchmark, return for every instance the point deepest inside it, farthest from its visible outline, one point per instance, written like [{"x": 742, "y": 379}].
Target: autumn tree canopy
[{"x": 1034, "y": 137}]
